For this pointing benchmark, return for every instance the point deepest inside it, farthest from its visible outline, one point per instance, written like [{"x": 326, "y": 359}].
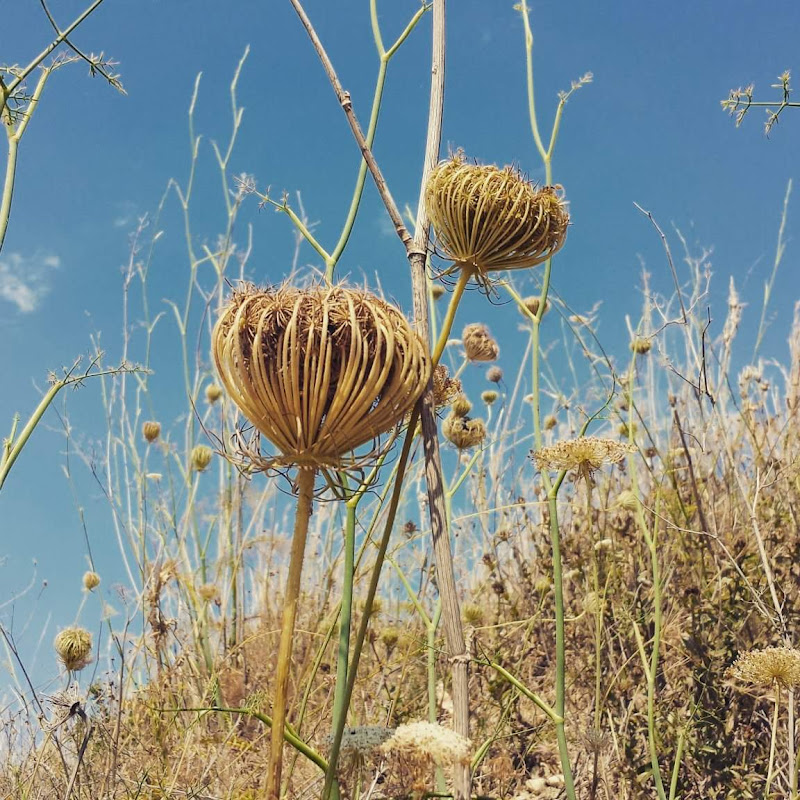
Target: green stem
[
  {"x": 345, "y": 618},
  {"x": 449, "y": 318},
  {"x": 361, "y": 635},
  {"x": 305, "y": 486}
]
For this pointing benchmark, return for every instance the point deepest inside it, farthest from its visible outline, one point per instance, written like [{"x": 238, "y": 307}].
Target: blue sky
[{"x": 649, "y": 129}]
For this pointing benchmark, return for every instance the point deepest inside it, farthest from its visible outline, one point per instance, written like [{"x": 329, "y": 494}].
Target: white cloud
[{"x": 24, "y": 281}]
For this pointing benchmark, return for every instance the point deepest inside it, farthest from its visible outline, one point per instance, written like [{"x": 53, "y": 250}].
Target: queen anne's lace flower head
[{"x": 772, "y": 665}]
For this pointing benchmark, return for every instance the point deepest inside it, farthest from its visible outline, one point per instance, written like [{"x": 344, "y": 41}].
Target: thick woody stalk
[{"x": 451, "y": 611}]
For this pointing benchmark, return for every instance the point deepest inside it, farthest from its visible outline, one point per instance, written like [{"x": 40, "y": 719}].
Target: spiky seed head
[
  {"x": 472, "y": 613},
  {"x": 772, "y": 665},
  {"x": 494, "y": 374},
  {"x": 390, "y": 637},
  {"x": 213, "y": 393},
  {"x": 201, "y": 457},
  {"x": 445, "y": 388},
  {"x": 73, "y": 646},
  {"x": 461, "y": 406},
  {"x": 437, "y": 290},
  {"x": 151, "y": 431},
  {"x": 429, "y": 743},
  {"x": 627, "y": 499},
  {"x": 641, "y": 345},
  {"x": 625, "y": 430},
  {"x": 486, "y": 218},
  {"x": 489, "y": 397},
  {"x": 91, "y": 580},
  {"x": 585, "y": 454},
  {"x": 479, "y": 345},
  {"x": 463, "y": 432},
  {"x": 543, "y": 584},
  {"x": 208, "y": 592},
  {"x": 550, "y": 422},
  {"x": 319, "y": 371},
  {"x": 532, "y": 304}
]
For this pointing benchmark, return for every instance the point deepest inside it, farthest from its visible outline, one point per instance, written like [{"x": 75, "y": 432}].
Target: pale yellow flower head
[
  {"x": 584, "y": 454},
  {"x": 73, "y": 646},
  {"x": 427, "y": 742},
  {"x": 767, "y": 667}
]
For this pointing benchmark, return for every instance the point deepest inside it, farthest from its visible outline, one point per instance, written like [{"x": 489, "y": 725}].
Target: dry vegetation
[{"x": 678, "y": 533}]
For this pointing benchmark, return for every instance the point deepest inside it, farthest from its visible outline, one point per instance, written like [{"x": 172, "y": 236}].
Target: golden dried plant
[
  {"x": 486, "y": 218},
  {"x": 318, "y": 371}
]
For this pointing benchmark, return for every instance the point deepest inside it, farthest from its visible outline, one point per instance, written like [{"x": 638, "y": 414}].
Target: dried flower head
[
  {"x": 201, "y": 457},
  {"x": 641, "y": 345},
  {"x": 437, "y": 290},
  {"x": 151, "y": 431},
  {"x": 772, "y": 665},
  {"x": 91, "y": 580},
  {"x": 479, "y": 345},
  {"x": 73, "y": 646},
  {"x": 472, "y": 613},
  {"x": 208, "y": 592},
  {"x": 461, "y": 406},
  {"x": 585, "y": 454},
  {"x": 489, "y": 397},
  {"x": 487, "y": 218},
  {"x": 550, "y": 422},
  {"x": 428, "y": 743},
  {"x": 319, "y": 371},
  {"x": 494, "y": 374},
  {"x": 628, "y": 500},
  {"x": 445, "y": 388},
  {"x": 532, "y": 305},
  {"x": 213, "y": 393},
  {"x": 464, "y": 432}
]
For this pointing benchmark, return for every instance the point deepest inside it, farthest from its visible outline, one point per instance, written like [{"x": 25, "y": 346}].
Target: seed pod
[
  {"x": 318, "y": 371},
  {"x": 213, "y": 393},
  {"x": 494, "y": 374},
  {"x": 73, "y": 646},
  {"x": 641, "y": 345},
  {"x": 486, "y": 218},
  {"x": 489, "y": 397},
  {"x": 91, "y": 580},
  {"x": 461, "y": 406},
  {"x": 201, "y": 457},
  {"x": 464, "y": 432},
  {"x": 532, "y": 304},
  {"x": 479, "y": 344},
  {"x": 151, "y": 431},
  {"x": 445, "y": 388},
  {"x": 437, "y": 290}
]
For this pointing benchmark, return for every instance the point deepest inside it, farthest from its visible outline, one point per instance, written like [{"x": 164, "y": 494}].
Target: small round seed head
[
  {"x": 603, "y": 544},
  {"x": 532, "y": 304},
  {"x": 213, "y": 393},
  {"x": 489, "y": 397},
  {"x": 73, "y": 646},
  {"x": 390, "y": 637},
  {"x": 550, "y": 422},
  {"x": 201, "y": 457},
  {"x": 437, "y": 290},
  {"x": 486, "y": 218},
  {"x": 208, "y": 592},
  {"x": 91, "y": 580},
  {"x": 479, "y": 344},
  {"x": 472, "y": 613},
  {"x": 318, "y": 371},
  {"x": 585, "y": 454},
  {"x": 543, "y": 584},
  {"x": 494, "y": 374},
  {"x": 624, "y": 430},
  {"x": 641, "y": 345},
  {"x": 461, "y": 406},
  {"x": 151, "y": 431},
  {"x": 445, "y": 388},
  {"x": 591, "y": 603},
  {"x": 627, "y": 499},
  {"x": 464, "y": 432},
  {"x": 772, "y": 665}
]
